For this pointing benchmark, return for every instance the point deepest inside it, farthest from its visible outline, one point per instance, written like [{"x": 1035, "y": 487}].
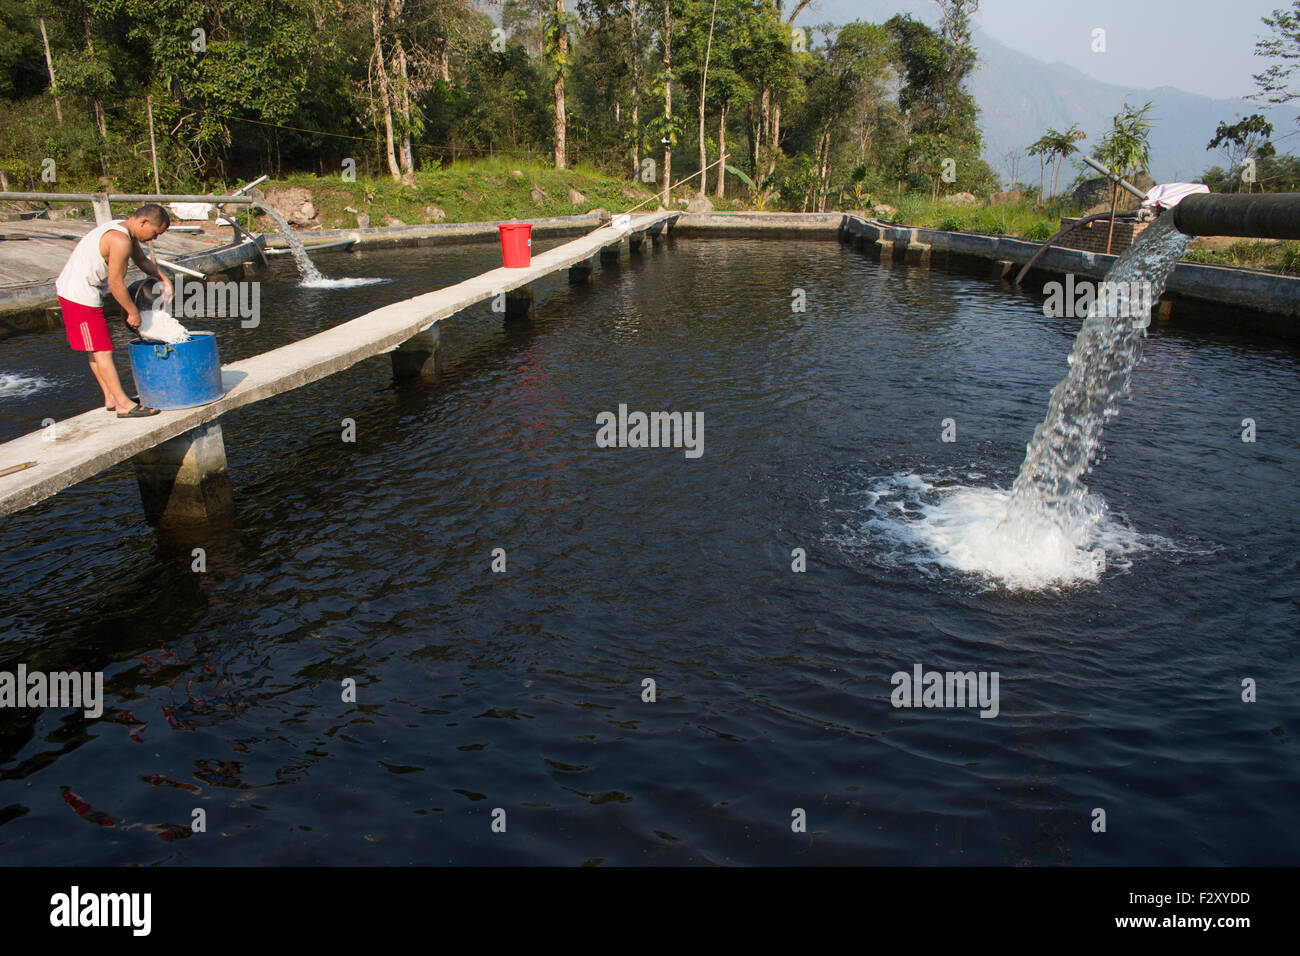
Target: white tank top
[{"x": 84, "y": 278}]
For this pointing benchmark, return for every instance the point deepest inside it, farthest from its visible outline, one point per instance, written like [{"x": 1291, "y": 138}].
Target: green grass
[
  {"x": 481, "y": 190},
  {"x": 1270, "y": 256},
  {"x": 1021, "y": 219}
]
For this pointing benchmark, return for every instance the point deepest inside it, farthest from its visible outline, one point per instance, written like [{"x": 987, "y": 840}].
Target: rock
[
  {"x": 518, "y": 174},
  {"x": 699, "y": 205},
  {"x": 1008, "y": 198},
  {"x": 961, "y": 199},
  {"x": 537, "y": 195},
  {"x": 682, "y": 202},
  {"x": 600, "y": 212},
  {"x": 576, "y": 198},
  {"x": 363, "y": 221},
  {"x": 434, "y": 213},
  {"x": 884, "y": 210},
  {"x": 293, "y": 203},
  {"x": 350, "y": 209},
  {"x": 393, "y": 221}
]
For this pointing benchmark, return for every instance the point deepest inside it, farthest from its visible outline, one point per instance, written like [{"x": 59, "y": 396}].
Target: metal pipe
[
  {"x": 1123, "y": 183},
  {"x": 177, "y": 267},
  {"x": 123, "y": 197},
  {"x": 1251, "y": 216}
]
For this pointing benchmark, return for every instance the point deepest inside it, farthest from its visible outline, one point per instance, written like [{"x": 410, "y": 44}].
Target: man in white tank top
[{"x": 99, "y": 261}]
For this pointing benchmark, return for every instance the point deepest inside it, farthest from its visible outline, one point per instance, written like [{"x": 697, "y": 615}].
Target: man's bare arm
[
  {"x": 141, "y": 259},
  {"x": 118, "y": 254},
  {"x": 150, "y": 268}
]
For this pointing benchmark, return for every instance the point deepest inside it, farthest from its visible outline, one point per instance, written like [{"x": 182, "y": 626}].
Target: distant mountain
[{"x": 1019, "y": 96}]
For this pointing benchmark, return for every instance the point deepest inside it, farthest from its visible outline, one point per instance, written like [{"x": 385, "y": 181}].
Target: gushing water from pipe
[{"x": 306, "y": 268}]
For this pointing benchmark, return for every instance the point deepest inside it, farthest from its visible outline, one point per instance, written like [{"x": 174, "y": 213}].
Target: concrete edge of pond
[
  {"x": 1264, "y": 301},
  {"x": 442, "y": 233}
]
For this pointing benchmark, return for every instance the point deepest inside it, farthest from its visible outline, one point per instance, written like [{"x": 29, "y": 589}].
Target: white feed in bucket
[{"x": 158, "y": 325}]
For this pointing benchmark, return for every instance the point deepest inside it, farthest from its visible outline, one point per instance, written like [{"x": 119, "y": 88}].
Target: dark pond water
[{"x": 523, "y": 690}]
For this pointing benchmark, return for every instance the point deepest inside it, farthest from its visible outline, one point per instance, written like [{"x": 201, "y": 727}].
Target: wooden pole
[
  {"x": 704, "y": 82},
  {"x": 49, "y": 64},
  {"x": 153, "y": 150}
]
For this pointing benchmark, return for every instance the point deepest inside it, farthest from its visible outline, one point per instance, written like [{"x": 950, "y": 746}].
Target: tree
[
  {"x": 1244, "y": 141},
  {"x": 1284, "y": 45},
  {"x": 1124, "y": 151},
  {"x": 1052, "y": 148},
  {"x": 560, "y": 40},
  {"x": 941, "y": 115}
]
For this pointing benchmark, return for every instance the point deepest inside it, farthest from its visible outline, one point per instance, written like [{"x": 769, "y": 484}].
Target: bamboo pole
[
  {"x": 49, "y": 65},
  {"x": 153, "y": 152}
]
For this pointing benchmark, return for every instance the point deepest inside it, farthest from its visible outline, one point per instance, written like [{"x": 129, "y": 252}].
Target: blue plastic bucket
[{"x": 177, "y": 376}]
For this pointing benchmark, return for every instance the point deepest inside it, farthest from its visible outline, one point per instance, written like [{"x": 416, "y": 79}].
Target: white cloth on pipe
[
  {"x": 1168, "y": 195},
  {"x": 190, "y": 210}
]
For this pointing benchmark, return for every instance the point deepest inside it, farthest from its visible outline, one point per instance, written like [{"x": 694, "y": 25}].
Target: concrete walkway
[{"x": 75, "y": 449}]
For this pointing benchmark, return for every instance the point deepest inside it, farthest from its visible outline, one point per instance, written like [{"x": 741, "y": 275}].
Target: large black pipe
[{"x": 1257, "y": 216}]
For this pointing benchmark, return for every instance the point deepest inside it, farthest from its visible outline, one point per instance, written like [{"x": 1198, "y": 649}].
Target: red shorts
[{"x": 87, "y": 327}]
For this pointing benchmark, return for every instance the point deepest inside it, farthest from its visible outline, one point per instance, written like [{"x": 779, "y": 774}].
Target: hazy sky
[{"x": 1201, "y": 46}]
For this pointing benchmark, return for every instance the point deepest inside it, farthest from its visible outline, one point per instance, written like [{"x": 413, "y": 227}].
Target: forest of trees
[{"x": 650, "y": 89}]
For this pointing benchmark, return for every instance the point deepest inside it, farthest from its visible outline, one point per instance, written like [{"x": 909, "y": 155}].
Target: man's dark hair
[{"x": 154, "y": 213}]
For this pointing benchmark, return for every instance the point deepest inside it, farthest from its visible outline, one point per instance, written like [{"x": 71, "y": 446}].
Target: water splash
[
  {"x": 14, "y": 384},
  {"x": 1048, "y": 530},
  {"x": 306, "y": 268},
  {"x": 1049, "y": 487}
]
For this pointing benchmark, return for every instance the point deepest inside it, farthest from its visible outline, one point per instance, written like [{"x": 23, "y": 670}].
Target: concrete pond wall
[{"x": 1215, "y": 296}]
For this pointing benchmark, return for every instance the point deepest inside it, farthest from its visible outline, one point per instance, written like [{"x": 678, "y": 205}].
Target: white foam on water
[
  {"x": 13, "y": 385},
  {"x": 323, "y": 283},
  {"x": 1048, "y": 530},
  {"x": 931, "y": 525}
]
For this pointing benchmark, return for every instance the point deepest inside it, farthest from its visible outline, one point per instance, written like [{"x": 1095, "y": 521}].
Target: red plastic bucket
[{"x": 516, "y": 244}]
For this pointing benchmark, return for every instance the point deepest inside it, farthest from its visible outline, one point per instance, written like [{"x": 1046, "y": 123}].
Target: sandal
[{"x": 140, "y": 411}]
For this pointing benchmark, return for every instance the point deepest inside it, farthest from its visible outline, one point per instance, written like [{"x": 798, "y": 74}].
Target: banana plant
[{"x": 759, "y": 194}]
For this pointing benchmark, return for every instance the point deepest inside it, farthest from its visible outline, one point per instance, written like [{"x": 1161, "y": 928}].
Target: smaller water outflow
[
  {"x": 1049, "y": 486},
  {"x": 306, "y": 268}
]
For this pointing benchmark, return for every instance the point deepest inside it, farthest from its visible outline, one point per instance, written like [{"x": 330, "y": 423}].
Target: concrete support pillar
[
  {"x": 1005, "y": 269},
  {"x": 634, "y": 241},
  {"x": 580, "y": 272},
  {"x": 184, "y": 480},
  {"x": 420, "y": 356},
  {"x": 1164, "y": 309},
  {"x": 103, "y": 212},
  {"x": 519, "y": 303},
  {"x": 917, "y": 254},
  {"x": 656, "y": 233},
  {"x": 611, "y": 253},
  {"x": 884, "y": 250}
]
